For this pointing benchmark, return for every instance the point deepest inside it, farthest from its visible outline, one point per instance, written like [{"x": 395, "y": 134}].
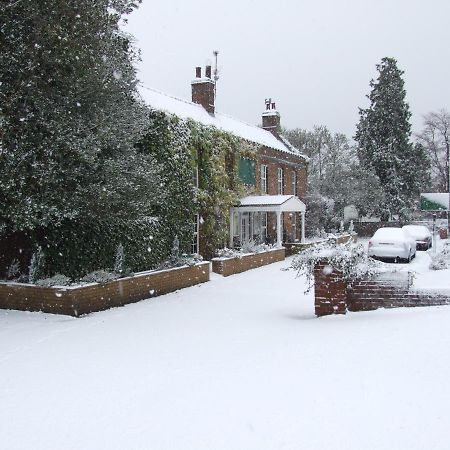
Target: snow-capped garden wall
[
  {"x": 297, "y": 247},
  {"x": 79, "y": 300},
  {"x": 334, "y": 294},
  {"x": 230, "y": 266}
]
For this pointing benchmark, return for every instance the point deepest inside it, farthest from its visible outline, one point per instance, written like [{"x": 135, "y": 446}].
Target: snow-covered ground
[{"x": 237, "y": 363}]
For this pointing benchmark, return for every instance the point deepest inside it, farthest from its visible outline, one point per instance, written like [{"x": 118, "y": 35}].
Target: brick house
[{"x": 274, "y": 210}]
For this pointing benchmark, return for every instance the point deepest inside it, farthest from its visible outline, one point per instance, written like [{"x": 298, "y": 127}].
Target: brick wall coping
[
  {"x": 226, "y": 258},
  {"x": 430, "y": 291},
  {"x": 95, "y": 283},
  {"x": 297, "y": 247},
  {"x": 92, "y": 297},
  {"x": 234, "y": 265}
]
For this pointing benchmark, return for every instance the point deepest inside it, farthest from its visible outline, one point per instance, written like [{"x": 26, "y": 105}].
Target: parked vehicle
[
  {"x": 392, "y": 244},
  {"x": 421, "y": 234}
]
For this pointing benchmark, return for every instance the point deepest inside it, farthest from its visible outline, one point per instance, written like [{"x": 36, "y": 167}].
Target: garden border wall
[
  {"x": 232, "y": 266},
  {"x": 333, "y": 295},
  {"x": 80, "y": 300},
  {"x": 293, "y": 248}
]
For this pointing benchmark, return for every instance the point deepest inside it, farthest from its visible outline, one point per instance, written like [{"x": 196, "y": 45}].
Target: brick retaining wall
[
  {"x": 386, "y": 290},
  {"x": 292, "y": 248},
  {"x": 231, "y": 266},
  {"x": 76, "y": 301}
]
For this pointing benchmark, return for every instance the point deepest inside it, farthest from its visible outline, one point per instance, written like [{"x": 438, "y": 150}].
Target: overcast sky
[{"x": 314, "y": 58}]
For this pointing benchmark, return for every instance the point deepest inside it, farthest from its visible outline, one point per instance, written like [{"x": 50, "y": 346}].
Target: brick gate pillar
[{"x": 330, "y": 290}]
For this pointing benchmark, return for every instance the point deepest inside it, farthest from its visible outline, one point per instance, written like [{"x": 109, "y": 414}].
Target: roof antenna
[{"x": 216, "y": 76}]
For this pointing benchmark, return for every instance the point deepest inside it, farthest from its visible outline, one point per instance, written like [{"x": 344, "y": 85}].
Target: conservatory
[{"x": 267, "y": 218}]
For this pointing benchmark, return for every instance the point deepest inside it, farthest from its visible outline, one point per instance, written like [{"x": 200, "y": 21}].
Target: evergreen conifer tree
[
  {"x": 384, "y": 146},
  {"x": 119, "y": 262}
]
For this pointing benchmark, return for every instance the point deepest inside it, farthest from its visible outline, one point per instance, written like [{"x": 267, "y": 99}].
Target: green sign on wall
[{"x": 247, "y": 171}]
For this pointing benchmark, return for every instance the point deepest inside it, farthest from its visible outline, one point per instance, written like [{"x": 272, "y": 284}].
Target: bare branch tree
[{"x": 435, "y": 137}]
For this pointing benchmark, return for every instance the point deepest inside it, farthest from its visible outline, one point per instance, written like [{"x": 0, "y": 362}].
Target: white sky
[{"x": 314, "y": 58}]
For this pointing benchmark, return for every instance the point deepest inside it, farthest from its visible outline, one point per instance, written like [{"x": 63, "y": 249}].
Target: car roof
[
  {"x": 389, "y": 232},
  {"x": 415, "y": 227}
]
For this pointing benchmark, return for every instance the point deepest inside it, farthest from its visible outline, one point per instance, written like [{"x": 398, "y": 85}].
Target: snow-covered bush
[
  {"x": 177, "y": 260},
  {"x": 99, "y": 276},
  {"x": 182, "y": 260},
  {"x": 319, "y": 213},
  {"x": 37, "y": 266},
  {"x": 441, "y": 260},
  {"x": 13, "y": 270},
  {"x": 228, "y": 253},
  {"x": 248, "y": 247},
  {"x": 119, "y": 261},
  {"x": 253, "y": 247},
  {"x": 56, "y": 280},
  {"x": 350, "y": 259},
  {"x": 351, "y": 227}
]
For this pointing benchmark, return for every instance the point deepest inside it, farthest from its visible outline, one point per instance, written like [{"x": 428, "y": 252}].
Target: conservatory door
[{"x": 245, "y": 227}]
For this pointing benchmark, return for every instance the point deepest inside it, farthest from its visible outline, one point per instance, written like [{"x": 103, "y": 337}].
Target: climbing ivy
[{"x": 220, "y": 188}]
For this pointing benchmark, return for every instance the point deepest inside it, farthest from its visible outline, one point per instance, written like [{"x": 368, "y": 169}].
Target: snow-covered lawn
[{"x": 237, "y": 363}]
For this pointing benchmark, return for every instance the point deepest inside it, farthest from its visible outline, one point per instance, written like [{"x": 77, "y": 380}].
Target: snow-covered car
[
  {"x": 392, "y": 244},
  {"x": 421, "y": 234}
]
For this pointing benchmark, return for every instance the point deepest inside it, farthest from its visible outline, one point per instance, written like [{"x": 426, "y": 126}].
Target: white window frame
[
  {"x": 195, "y": 176},
  {"x": 195, "y": 235},
  {"x": 280, "y": 181},
  {"x": 294, "y": 183},
  {"x": 264, "y": 171}
]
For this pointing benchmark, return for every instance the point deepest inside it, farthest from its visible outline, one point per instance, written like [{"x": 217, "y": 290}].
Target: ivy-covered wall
[
  {"x": 179, "y": 148},
  {"x": 218, "y": 154}
]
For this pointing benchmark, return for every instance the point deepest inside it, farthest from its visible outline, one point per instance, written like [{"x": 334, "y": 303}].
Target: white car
[
  {"x": 421, "y": 234},
  {"x": 392, "y": 244}
]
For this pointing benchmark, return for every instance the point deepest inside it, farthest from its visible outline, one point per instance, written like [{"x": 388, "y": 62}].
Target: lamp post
[{"x": 434, "y": 233}]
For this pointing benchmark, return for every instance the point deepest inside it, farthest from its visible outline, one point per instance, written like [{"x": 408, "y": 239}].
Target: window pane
[{"x": 247, "y": 168}]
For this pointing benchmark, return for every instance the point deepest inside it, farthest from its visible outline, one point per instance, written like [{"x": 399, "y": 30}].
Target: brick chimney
[
  {"x": 271, "y": 117},
  {"x": 203, "y": 89}
]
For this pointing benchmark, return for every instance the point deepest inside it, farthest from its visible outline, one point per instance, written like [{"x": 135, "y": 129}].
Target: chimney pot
[
  {"x": 203, "y": 92},
  {"x": 271, "y": 118}
]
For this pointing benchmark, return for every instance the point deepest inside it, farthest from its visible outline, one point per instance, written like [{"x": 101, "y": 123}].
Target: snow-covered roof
[
  {"x": 188, "y": 110},
  {"x": 271, "y": 203},
  {"x": 439, "y": 198}
]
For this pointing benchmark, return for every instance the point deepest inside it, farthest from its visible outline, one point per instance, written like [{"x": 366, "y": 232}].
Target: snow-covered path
[{"x": 237, "y": 363}]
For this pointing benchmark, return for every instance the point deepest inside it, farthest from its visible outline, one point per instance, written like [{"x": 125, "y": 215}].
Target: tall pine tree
[{"x": 384, "y": 146}]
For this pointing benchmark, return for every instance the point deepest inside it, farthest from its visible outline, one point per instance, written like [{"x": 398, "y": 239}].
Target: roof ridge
[
  {"x": 219, "y": 121},
  {"x": 170, "y": 96}
]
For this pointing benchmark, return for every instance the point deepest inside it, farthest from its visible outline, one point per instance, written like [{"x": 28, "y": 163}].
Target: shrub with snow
[
  {"x": 349, "y": 258},
  {"x": 228, "y": 253},
  {"x": 99, "y": 276},
  {"x": 441, "y": 260},
  {"x": 119, "y": 261},
  {"x": 253, "y": 247},
  {"x": 249, "y": 247},
  {"x": 183, "y": 260},
  {"x": 37, "y": 265},
  {"x": 13, "y": 269},
  {"x": 56, "y": 280}
]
